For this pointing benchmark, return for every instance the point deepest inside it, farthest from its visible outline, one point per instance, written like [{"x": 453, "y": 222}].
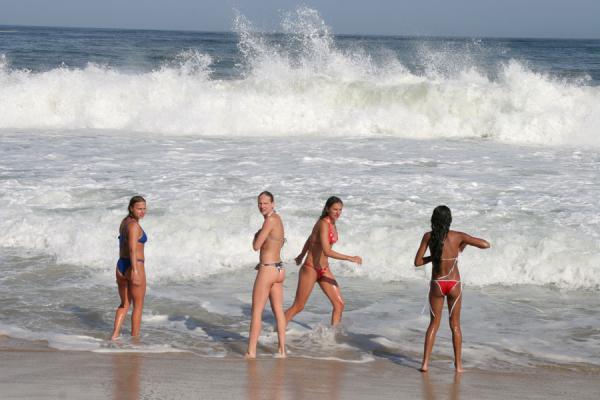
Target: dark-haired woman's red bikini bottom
[{"x": 445, "y": 286}]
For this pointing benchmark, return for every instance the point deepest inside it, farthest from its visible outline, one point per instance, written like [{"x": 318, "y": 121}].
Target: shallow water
[{"x": 528, "y": 301}]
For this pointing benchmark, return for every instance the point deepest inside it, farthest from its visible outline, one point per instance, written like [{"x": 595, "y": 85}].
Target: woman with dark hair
[
  {"x": 269, "y": 279},
  {"x": 444, "y": 248},
  {"x": 318, "y": 249},
  {"x": 131, "y": 276}
]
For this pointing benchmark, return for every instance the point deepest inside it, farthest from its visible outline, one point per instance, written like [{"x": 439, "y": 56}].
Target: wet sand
[{"x": 34, "y": 371}]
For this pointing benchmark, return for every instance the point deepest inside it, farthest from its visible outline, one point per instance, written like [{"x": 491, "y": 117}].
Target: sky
[{"x": 471, "y": 18}]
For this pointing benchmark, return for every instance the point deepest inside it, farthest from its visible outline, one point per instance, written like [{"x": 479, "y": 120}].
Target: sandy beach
[{"x": 30, "y": 370}]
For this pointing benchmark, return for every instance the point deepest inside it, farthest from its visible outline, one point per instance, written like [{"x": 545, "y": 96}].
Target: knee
[
  {"x": 435, "y": 323},
  {"x": 298, "y": 307},
  {"x": 124, "y": 305},
  {"x": 338, "y": 305},
  {"x": 455, "y": 327}
]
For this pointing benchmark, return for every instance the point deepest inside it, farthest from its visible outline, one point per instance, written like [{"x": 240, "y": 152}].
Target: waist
[
  {"x": 278, "y": 265},
  {"x": 447, "y": 277},
  {"x": 128, "y": 260}
]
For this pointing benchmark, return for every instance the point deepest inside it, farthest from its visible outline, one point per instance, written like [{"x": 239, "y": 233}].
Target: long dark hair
[
  {"x": 440, "y": 225},
  {"x": 132, "y": 201},
  {"x": 330, "y": 201}
]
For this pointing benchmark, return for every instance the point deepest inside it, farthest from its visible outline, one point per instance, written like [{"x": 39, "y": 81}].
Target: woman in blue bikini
[
  {"x": 444, "y": 247},
  {"x": 131, "y": 276}
]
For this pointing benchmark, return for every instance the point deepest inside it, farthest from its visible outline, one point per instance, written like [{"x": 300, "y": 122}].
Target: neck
[{"x": 269, "y": 214}]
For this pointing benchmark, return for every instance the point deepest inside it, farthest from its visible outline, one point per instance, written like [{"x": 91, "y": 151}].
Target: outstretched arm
[
  {"x": 420, "y": 258},
  {"x": 468, "y": 240}
]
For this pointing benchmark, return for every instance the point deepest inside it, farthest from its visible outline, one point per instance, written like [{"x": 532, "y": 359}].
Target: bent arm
[
  {"x": 262, "y": 234},
  {"x": 420, "y": 258},
  {"x": 305, "y": 248},
  {"x": 326, "y": 246}
]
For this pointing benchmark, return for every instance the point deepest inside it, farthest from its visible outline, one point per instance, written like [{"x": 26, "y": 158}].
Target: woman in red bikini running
[
  {"x": 444, "y": 248},
  {"x": 315, "y": 269}
]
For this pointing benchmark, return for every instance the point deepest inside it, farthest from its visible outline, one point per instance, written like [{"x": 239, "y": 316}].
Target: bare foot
[
  {"x": 424, "y": 368},
  {"x": 250, "y": 356},
  {"x": 281, "y": 354},
  {"x": 115, "y": 337},
  {"x": 459, "y": 368}
]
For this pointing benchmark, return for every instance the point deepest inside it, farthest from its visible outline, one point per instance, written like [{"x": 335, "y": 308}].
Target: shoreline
[{"x": 33, "y": 370}]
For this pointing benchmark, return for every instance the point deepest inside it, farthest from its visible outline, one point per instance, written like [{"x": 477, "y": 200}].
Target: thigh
[
  {"x": 330, "y": 287},
  {"x": 436, "y": 300},
  {"x": 265, "y": 278},
  {"x": 307, "y": 276},
  {"x": 276, "y": 296},
  {"x": 137, "y": 292},
  {"x": 122, "y": 286},
  {"x": 455, "y": 302}
]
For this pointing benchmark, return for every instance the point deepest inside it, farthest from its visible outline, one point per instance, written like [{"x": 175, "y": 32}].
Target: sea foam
[{"x": 302, "y": 84}]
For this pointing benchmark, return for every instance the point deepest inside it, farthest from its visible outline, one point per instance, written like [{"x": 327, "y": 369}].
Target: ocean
[{"x": 503, "y": 131}]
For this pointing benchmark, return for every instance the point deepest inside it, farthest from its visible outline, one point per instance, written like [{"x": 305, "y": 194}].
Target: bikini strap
[{"x": 451, "y": 269}]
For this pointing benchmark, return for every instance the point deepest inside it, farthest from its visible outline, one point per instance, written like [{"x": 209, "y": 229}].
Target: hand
[
  {"x": 136, "y": 278},
  {"x": 356, "y": 259},
  {"x": 299, "y": 259}
]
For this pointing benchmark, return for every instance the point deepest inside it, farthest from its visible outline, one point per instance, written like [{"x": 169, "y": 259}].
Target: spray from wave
[{"x": 302, "y": 83}]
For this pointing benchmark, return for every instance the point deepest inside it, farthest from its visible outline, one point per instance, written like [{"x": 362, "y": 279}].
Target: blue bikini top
[{"x": 143, "y": 239}]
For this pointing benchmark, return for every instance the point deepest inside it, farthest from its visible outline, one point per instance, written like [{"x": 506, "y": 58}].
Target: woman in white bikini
[{"x": 444, "y": 247}]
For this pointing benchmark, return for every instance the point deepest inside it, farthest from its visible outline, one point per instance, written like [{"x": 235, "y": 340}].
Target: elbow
[
  {"x": 418, "y": 263},
  {"x": 255, "y": 247},
  {"x": 487, "y": 245}
]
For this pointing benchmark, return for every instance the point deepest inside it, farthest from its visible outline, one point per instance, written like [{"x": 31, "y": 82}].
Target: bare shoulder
[
  {"x": 466, "y": 239},
  {"x": 133, "y": 225},
  {"x": 274, "y": 220},
  {"x": 456, "y": 234}
]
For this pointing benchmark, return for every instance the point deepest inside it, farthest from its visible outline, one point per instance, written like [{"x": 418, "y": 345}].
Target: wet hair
[
  {"x": 132, "y": 201},
  {"x": 440, "y": 225},
  {"x": 330, "y": 201},
  {"x": 268, "y": 194}
]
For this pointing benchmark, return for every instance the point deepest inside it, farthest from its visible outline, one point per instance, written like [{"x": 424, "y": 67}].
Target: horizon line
[{"x": 333, "y": 33}]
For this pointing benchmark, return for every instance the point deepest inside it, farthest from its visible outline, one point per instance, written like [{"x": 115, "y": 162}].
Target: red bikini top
[{"x": 333, "y": 237}]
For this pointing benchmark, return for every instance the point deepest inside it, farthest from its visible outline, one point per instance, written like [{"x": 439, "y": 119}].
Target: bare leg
[
  {"x": 276, "y": 297},
  {"x": 436, "y": 301},
  {"x": 454, "y": 307},
  {"x": 137, "y": 293},
  {"x": 331, "y": 289},
  {"x": 260, "y": 294},
  {"x": 123, "y": 307},
  {"x": 306, "y": 282}
]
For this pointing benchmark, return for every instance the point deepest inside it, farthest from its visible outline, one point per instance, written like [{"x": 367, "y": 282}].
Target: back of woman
[{"x": 444, "y": 247}]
